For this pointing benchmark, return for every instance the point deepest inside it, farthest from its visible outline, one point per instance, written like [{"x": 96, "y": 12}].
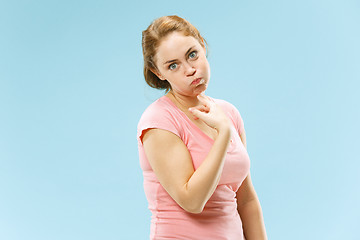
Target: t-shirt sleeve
[
  {"x": 235, "y": 116},
  {"x": 239, "y": 123},
  {"x": 159, "y": 118}
]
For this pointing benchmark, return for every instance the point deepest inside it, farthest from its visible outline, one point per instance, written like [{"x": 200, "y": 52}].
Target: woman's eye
[
  {"x": 172, "y": 66},
  {"x": 193, "y": 54}
]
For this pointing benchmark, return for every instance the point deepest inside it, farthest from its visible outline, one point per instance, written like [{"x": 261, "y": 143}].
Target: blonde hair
[{"x": 151, "y": 39}]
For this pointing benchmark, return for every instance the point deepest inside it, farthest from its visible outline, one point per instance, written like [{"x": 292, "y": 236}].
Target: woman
[{"x": 192, "y": 148}]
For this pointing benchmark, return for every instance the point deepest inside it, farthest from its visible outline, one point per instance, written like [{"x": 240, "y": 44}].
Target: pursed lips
[{"x": 196, "y": 81}]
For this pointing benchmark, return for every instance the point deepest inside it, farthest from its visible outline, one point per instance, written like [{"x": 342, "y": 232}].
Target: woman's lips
[{"x": 197, "y": 81}]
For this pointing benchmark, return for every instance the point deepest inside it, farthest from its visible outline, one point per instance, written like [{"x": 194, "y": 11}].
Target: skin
[{"x": 180, "y": 60}]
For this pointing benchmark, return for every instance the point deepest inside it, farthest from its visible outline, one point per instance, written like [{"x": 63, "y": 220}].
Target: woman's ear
[{"x": 157, "y": 74}]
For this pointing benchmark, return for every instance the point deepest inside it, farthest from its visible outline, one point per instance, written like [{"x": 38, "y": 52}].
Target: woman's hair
[{"x": 151, "y": 38}]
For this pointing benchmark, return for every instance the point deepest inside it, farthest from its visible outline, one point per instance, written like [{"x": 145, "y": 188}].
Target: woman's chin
[{"x": 201, "y": 88}]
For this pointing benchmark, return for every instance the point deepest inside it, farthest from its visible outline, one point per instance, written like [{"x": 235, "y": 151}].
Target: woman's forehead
[{"x": 176, "y": 44}]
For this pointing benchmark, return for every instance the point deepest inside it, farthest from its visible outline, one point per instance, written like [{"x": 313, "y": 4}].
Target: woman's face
[{"x": 181, "y": 60}]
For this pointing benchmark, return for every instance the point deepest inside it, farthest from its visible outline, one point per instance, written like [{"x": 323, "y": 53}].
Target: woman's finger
[
  {"x": 204, "y": 100},
  {"x": 207, "y": 101},
  {"x": 202, "y": 108},
  {"x": 197, "y": 114}
]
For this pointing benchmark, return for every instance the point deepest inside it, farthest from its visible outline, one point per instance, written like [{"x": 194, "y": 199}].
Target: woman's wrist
[{"x": 223, "y": 129}]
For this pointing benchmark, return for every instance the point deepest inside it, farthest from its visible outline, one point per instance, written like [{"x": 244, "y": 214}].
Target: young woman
[{"x": 192, "y": 147}]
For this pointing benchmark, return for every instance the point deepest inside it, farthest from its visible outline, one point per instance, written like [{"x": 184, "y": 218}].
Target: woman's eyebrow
[
  {"x": 189, "y": 50},
  {"x": 174, "y": 60}
]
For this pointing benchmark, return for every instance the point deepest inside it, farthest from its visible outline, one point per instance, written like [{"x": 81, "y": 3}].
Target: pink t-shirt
[{"x": 219, "y": 219}]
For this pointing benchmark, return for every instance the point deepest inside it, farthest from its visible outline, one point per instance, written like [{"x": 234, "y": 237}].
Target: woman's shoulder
[
  {"x": 158, "y": 111},
  {"x": 160, "y": 114},
  {"x": 225, "y": 105},
  {"x": 156, "y": 106},
  {"x": 232, "y": 112}
]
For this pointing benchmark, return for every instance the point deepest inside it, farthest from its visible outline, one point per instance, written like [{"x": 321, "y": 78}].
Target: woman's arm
[
  {"x": 172, "y": 164},
  {"x": 249, "y": 208}
]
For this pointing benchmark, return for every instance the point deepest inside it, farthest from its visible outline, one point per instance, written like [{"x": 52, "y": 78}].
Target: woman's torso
[{"x": 219, "y": 219}]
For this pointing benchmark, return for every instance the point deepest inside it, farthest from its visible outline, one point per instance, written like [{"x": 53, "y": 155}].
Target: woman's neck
[{"x": 183, "y": 102}]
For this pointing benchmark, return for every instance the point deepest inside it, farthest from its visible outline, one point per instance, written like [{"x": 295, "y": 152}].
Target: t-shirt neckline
[{"x": 167, "y": 99}]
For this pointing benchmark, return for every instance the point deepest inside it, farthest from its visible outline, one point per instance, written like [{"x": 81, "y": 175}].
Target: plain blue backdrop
[{"x": 72, "y": 92}]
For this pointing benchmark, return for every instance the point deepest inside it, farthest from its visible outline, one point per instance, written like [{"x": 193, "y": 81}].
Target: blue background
[{"x": 72, "y": 92}]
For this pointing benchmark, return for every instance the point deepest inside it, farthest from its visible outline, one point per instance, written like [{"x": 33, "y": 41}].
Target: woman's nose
[{"x": 189, "y": 70}]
